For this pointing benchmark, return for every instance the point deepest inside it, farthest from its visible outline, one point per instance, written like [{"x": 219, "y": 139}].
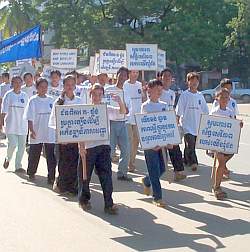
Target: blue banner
[{"x": 25, "y": 45}]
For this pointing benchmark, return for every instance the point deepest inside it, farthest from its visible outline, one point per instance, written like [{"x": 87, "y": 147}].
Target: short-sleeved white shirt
[
  {"x": 168, "y": 96},
  {"x": 150, "y": 107},
  {"x": 4, "y": 88},
  {"x": 55, "y": 92},
  {"x": 133, "y": 99},
  {"x": 190, "y": 107},
  {"x": 223, "y": 112},
  {"x": 13, "y": 106},
  {"x": 30, "y": 91},
  {"x": 232, "y": 104},
  {"x": 38, "y": 111}
]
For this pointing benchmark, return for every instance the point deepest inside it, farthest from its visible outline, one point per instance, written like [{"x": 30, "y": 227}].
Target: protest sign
[
  {"x": 112, "y": 60},
  {"x": 157, "y": 129},
  {"x": 64, "y": 58},
  {"x": 17, "y": 70},
  {"x": 218, "y": 133},
  {"x": 161, "y": 60},
  {"x": 107, "y": 98},
  {"x": 47, "y": 69},
  {"x": 142, "y": 56},
  {"x": 97, "y": 64},
  {"x": 81, "y": 123},
  {"x": 23, "y": 61}
]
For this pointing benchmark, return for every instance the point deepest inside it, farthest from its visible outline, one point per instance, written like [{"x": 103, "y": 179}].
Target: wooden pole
[
  {"x": 84, "y": 167},
  {"x": 213, "y": 171},
  {"x": 142, "y": 75},
  {"x": 168, "y": 170}
]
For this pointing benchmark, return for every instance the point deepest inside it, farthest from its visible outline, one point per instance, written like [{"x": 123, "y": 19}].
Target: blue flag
[{"x": 25, "y": 45}]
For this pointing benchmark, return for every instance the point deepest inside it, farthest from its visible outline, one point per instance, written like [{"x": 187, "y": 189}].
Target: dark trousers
[
  {"x": 67, "y": 167},
  {"x": 189, "y": 151},
  {"x": 175, "y": 155},
  {"x": 34, "y": 157},
  {"x": 98, "y": 158}
]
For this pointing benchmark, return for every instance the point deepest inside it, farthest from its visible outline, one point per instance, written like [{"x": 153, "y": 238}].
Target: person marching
[
  {"x": 66, "y": 181},
  {"x": 16, "y": 127},
  {"x": 223, "y": 97},
  {"x": 55, "y": 88},
  {"x": 168, "y": 96},
  {"x": 133, "y": 100},
  {"x": 37, "y": 113},
  {"x": 29, "y": 87},
  {"x": 154, "y": 158},
  {"x": 189, "y": 108},
  {"x": 98, "y": 156},
  {"x": 119, "y": 131}
]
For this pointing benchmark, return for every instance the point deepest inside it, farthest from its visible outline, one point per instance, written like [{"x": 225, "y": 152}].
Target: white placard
[
  {"x": 112, "y": 60},
  {"x": 48, "y": 69},
  {"x": 161, "y": 59},
  {"x": 157, "y": 129},
  {"x": 64, "y": 58},
  {"x": 142, "y": 56},
  {"x": 76, "y": 123},
  {"x": 91, "y": 64},
  {"x": 17, "y": 70},
  {"x": 107, "y": 98},
  {"x": 23, "y": 61},
  {"x": 97, "y": 64},
  {"x": 218, "y": 133}
]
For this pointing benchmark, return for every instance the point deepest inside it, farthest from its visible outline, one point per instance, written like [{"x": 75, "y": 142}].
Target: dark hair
[
  {"x": 124, "y": 69},
  {"x": 16, "y": 77},
  {"x": 57, "y": 72},
  {"x": 41, "y": 80},
  {"x": 95, "y": 87},
  {"x": 69, "y": 77},
  {"x": 74, "y": 72},
  {"x": 222, "y": 91},
  {"x": 154, "y": 83},
  {"x": 6, "y": 75},
  {"x": 193, "y": 75},
  {"x": 26, "y": 74},
  {"x": 167, "y": 69},
  {"x": 225, "y": 81}
]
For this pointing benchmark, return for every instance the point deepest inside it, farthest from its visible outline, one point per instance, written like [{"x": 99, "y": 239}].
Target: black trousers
[
  {"x": 34, "y": 158},
  {"x": 67, "y": 167},
  {"x": 189, "y": 151},
  {"x": 175, "y": 155},
  {"x": 98, "y": 158}
]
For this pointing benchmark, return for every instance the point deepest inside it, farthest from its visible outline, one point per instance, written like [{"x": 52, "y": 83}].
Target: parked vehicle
[{"x": 237, "y": 93}]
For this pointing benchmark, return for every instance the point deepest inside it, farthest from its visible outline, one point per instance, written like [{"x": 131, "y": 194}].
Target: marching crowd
[{"x": 29, "y": 121}]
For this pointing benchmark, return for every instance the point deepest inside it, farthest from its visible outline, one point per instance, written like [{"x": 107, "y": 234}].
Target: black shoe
[
  {"x": 6, "y": 163},
  {"x": 20, "y": 170},
  {"x": 113, "y": 210},
  {"x": 85, "y": 206},
  {"x": 125, "y": 178},
  {"x": 50, "y": 181}
]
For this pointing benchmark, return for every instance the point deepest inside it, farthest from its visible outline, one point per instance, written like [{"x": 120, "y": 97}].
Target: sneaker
[
  {"x": 179, "y": 176},
  {"x": 194, "y": 167},
  {"x": 85, "y": 206},
  {"x": 31, "y": 177},
  {"x": 20, "y": 170},
  {"x": 159, "y": 203},
  {"x": 113, "y": 210},
  {"x": 125, "y": 178},
  {"x": 6, "y": 163},
  {"x": 146, "y": 189}
]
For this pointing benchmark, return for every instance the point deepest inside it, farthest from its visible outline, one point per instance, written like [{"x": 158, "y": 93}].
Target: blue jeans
[
  {"x": 156, "y": 167},
  {"x": 119, "y": 136}
]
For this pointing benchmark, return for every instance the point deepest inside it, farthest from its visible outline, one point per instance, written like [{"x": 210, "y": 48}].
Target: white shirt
[
  {"x": 13, "y": 106},
  {"x": 38, "y": 111},
  {"x": 52, "y": 120},
  {"x": 223, "y": 112},
  {"x": 232, "y": 105},
  {"x": 133, "y": 99},
  {"x": 55, "y": 92},
  {"x": 92, "y": 144},
  {"x": 168, "y": 96},
  {"x": 30, "y": 91},
  {"x": 115, "y": 115},
  {"x": 4, "y": 88},
  {"x": 190, "y": 107},
  {"x": 151, "y": 107}
]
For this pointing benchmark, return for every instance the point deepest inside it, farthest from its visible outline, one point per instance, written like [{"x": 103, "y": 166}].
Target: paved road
[{"x": 34, "y": 219}]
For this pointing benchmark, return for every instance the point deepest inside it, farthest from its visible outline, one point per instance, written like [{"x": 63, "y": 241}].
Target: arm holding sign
[{"x": 117, "y": 99}]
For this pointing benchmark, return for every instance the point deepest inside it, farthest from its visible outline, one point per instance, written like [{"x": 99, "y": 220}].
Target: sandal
[
  {"x": 219, "y": 194},
  {"x": 226, "y": 174}
]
